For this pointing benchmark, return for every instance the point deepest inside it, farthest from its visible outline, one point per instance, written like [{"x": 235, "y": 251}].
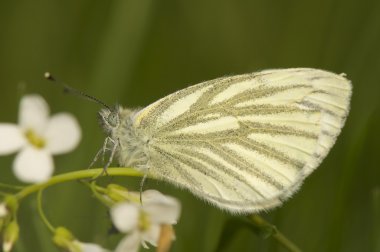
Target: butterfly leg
[
  {"x": 144, "y": 168},
  {"x": 113, "y": 151},
  {"x": 107, "y": 142},
  {"x": 101, "y": 151},
  {"x": 141, "y": 186}
]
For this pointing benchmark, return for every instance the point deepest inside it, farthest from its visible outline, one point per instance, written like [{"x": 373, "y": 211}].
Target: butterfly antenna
[{"x": 69, "y": 90}]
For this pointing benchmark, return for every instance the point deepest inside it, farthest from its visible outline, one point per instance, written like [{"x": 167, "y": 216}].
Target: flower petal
[
  {"x": 125, "y": 216},
  {"x": 33, "y": 165},
  {"x": 62, "y": 134},
  {"x": 130, "y": 243},
  {"x": 12, "y": 138},
  {"x": 33, "y": 113},
  {"x": 90, "y": 247},
  {"x": 161, "y": 208},
  {"x": 152, "y": 235}
]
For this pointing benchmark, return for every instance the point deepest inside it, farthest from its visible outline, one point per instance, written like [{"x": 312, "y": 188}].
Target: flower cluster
[
  {"x": 147, "y": 222},
  {"x": 145, "y": 218}
]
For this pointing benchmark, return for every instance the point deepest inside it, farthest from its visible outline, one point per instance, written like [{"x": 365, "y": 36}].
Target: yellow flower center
[
  {"x": 35, "y": 139},
  {"x": 144, "y": 221}
]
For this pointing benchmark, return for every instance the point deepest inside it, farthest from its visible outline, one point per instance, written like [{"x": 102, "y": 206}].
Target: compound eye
[{"x": 113, "y": 119}]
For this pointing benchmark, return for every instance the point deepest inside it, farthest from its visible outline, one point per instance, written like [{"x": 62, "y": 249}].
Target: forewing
[{"x": 245, "y": 143}]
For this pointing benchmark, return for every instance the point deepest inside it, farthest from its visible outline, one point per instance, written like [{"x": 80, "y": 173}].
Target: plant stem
[
  {"x": 13, "y": 187},
  {"x": 41, "y": 212},
  {"x": 96, "y": 190},
  {"x": 376, "y": 218},
  {"x": 277, "y": 235},
  {"x": 70, "y": 176}
]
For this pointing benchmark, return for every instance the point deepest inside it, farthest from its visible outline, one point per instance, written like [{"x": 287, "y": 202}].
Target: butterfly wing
[{"x": 246, "y": 143}]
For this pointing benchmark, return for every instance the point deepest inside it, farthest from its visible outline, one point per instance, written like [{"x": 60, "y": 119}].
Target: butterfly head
[{"x": 109, "y": 119}]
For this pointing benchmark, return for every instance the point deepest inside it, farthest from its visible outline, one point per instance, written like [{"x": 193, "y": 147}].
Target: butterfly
[{"x": 244, "y": 143}]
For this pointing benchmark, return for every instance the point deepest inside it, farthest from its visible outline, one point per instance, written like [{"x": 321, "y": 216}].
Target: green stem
[
  {"x": 41, "y": 212},
  {"x": 273, "y": 231},
  {"x": 70, "y": 176},
  {"x": 13, "y": 187},
  {"x": 376, "y": 218},
  {"x": 97, "y": 190}
]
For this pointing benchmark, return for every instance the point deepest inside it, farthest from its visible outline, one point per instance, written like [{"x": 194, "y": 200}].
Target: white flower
[
  {"x": 143, "y": 222},
  {"x": 89, "y": 247},
  {"x": 65, "y": 240},
  {"x": 37, "y": 137}
]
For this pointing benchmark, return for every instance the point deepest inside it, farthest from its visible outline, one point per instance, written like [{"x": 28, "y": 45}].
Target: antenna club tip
[{"x": 48, "y": 76}]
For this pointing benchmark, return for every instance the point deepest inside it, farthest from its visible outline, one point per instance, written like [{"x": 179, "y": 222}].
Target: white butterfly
[{"x": 244, "y": 143}]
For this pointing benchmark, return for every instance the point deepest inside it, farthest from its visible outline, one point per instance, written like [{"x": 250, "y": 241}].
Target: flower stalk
[
  {"x": 76, "y": 175},
  {"x": 270, "y": 230}
]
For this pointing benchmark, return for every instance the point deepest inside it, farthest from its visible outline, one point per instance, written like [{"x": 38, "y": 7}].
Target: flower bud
[
  {"x": 3, "y": 210},
  {"x": 65, "y": 240},
  {"x": 4, "y": 217},
  {"x": 117, "y": 193},
  {"x": 10, "y": 235}
]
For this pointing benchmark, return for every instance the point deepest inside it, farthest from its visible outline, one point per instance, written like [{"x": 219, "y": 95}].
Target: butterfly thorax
[{"x": 132, "y": 146}]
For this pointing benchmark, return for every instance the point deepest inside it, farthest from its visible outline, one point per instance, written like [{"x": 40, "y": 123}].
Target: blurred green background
[{"x": 135, "y": 52}]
